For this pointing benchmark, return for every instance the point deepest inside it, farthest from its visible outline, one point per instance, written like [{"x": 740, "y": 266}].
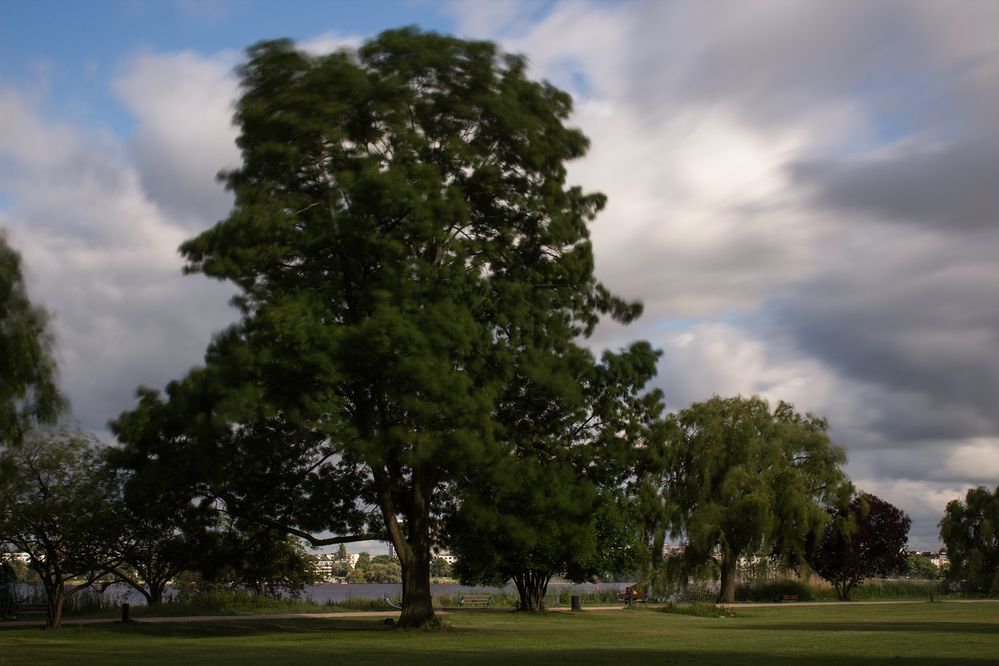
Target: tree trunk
[
  {"x": 155, "y": 596},
  {"x": 413, "y": 549},
  {"x": 417, "y": 604},
  {"x": 657, "y": 560},
  {"x": 56, "y": 597},
  {"x": 726, "y": 595},
  {"x": 532, "y": 585}
]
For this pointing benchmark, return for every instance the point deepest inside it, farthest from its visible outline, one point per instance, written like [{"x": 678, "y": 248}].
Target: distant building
[
  {"x": 444, "y": 555},
  {"x": 937, "y": 557},
  {"x": 328, "y": 564}
]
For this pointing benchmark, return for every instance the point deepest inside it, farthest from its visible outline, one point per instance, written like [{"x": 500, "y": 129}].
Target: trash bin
[{"x": 576, "y": 605}]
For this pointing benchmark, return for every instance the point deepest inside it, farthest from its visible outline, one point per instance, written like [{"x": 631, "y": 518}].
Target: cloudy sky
[{"x": 805, "y": 195}]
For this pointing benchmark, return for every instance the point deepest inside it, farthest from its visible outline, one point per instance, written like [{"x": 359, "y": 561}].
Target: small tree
[
  {"x": 266, "y": 561},
  {"x": 866, "y": 538},
  {"x": 383, "y": 569},
  {"x": 439, "y": 568},
  {"x": 161, "y": 537},
  {"x": 529, "y": 526},
  {"x": 970, "y": 530},
  {"x": 550, "y": 504},
  {"x": 920, "y": 566},
  {"x": 56, "y": 508}
]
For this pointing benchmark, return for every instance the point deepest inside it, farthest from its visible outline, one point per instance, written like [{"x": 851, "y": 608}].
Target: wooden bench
[
  {"x": 630, "y": 596},
  {"x": 472, "y": 599},
  {"x": 27, "y": 609},
  {"x": 790, "y": 597}
]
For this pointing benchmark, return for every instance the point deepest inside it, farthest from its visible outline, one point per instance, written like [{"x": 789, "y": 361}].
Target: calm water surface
[{"x": 345, "y": 591}]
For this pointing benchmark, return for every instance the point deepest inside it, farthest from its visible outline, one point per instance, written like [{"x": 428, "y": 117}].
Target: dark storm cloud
[
  {"x": 952, "y": 188},
  {"x": 925, "y": 330}
]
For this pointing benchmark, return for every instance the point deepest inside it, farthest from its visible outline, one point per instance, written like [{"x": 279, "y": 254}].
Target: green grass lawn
[{"x": 917, "y": 633}]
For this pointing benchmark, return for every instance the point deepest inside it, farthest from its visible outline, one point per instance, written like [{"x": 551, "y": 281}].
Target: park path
[
  {"x": 273, "y": 616},
  {"x": 881, "y": 602},
  {"x": 395, "y": 614}
]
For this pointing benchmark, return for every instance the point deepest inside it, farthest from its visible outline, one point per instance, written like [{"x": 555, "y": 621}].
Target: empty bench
[
  {"x": 475, "y": 600},
  {"x": 28, "y": 609}
]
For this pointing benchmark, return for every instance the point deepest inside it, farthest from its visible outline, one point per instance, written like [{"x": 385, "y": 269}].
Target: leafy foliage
[
  {"x": 403, "y": 239},
  {"x": 920, "y": 566},
  {"x": 748, "y": 479},
  {"x": 970, "y": 530},
  {"x": 55, "y": 506},
  {"x": 163, "y": 531},
  {"x": 260, "y": 559},
  {"x": 554, "y": 504},
  {"x": 29, "y": 395}
]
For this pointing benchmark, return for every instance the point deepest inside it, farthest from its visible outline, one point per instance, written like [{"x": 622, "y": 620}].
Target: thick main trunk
[
  {"x": 56, "y": 597},
  {"x": 532, "y": 585},
  {"x": 413, "y": 549},
  {"x": 155, "y": 596},
  {"x": 726, "y": 595},
  {"x": 417, "y": 604}
]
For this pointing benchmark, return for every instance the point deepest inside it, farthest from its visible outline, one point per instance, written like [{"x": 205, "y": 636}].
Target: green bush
[
  {"x": 774, "y": 591},
  {"x": 697, "y": 610},
  {"x": 875, "y": 589}
]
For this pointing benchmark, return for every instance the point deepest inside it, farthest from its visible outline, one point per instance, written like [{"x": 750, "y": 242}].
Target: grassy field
[{"x": 942, "y": 633}]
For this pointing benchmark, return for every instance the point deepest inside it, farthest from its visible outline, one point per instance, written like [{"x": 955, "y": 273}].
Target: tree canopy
[
  {"x": 403, "y": 240},
  {"x": 866, "y": 538},
  {"x": 970, "y": 531},
  {"x": 748, "y": 479},
  {"x": 56, "y": 506},
  {"x": 28, "y": 392},
  {"x": 555, "y": 502}
]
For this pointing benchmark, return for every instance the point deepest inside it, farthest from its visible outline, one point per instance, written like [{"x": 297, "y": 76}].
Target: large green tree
[
  {"x": 863, "y": 539},
  {"x": 749, "y": 479},
  {"x": 28, "y": 392},
  {"x": 402, "y": 234},
  {"x": 970, "y": 530}
]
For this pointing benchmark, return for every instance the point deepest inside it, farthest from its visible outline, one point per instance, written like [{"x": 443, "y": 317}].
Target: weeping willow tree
[
  {"x": 751, "y": 479},
  {"x": 28, "y": 391}
]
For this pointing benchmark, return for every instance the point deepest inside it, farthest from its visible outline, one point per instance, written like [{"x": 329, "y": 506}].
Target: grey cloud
[
  {"x": 925, "y": 333},
  {"x": 952, "y": 188},
  {"x": 184, "y": 136},
  {"x": 776, "y": 61}
]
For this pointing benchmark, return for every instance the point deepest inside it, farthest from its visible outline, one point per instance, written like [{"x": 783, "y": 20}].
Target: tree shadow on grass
[
  {"x": 223, "y": 628},
  {"x": 876, "y": 626}
]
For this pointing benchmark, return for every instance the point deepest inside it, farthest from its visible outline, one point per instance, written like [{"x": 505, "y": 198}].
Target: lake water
[
  {"x": 338, "y": 592},
  {"x": 345, "y": 591}
]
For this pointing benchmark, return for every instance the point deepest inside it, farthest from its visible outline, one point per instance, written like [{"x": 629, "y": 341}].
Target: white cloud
[
  {"x": 183, "y": 106},
  {"x": 329, "y": 42},
  {"x": 101, "y": 255}
]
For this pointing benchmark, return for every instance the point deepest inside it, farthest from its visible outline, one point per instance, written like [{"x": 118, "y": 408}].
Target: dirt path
[
  {"x": 395, "y": 614},
  {"x": 274, "y": 616}
]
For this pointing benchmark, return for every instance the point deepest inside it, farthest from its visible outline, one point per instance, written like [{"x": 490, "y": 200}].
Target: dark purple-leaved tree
[{"x": 863, "y": 539}]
